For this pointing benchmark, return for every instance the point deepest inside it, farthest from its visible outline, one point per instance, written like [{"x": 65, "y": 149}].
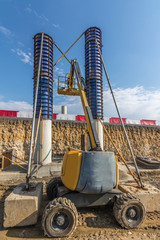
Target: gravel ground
[{"x": 94, "y": 223}]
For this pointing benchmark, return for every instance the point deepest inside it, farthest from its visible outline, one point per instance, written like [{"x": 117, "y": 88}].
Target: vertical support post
[
  {"x": 42, "y": 141},
  {"x": 34, "y": 116}
]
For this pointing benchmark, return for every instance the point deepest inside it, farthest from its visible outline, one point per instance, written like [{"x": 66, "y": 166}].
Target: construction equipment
[{"x": 87, "y": 178}]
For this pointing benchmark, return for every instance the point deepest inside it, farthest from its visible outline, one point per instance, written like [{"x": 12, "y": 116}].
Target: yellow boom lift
[{"x": 88, "y": 178}]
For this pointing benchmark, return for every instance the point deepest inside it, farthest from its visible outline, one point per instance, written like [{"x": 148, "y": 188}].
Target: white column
[
  {"x": 43, "y": 153},
  {"x": 99, "y": 129}
]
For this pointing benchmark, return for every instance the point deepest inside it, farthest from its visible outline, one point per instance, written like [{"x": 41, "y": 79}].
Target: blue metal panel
[
  {"x": 45, "y": 91},
  {"x": 93, "y": 71}
]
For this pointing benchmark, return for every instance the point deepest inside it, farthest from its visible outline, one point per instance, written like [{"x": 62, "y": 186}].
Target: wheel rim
[
  {"x": 60, "y": 221},
  {"x": 133, "y": 214}
]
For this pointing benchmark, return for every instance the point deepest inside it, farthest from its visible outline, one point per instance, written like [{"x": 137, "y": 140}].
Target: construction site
[{"x": 77, "y": 177}]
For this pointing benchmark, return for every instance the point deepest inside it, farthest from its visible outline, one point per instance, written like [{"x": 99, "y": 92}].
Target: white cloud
[
  {"x": 21, "y": 44},
  {"x": 73, "y": 104},
  {"x": 1, "y": 97},
  {"x": 36, "y": 14},
  {"x": 29, "y": 9},
  {"x": 16, "y": 105},
  {"x": 5, "y": 31},
  {"x": 43, "y": 17},
  {"x": 24, "y": 57},
  {"x": 56, "y": 108},
  {"x": 134, "y": 103},
  {"x": 55, "y": 25}
]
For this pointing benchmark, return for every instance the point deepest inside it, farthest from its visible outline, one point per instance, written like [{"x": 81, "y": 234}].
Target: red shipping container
[
  {"x": 117, "y": 120},
  {"x": 148, "y": 122},
  {"x": 55, "y": 116},
  {"x": 80, "y": 118},
  {"x": 8, "y": 113}
]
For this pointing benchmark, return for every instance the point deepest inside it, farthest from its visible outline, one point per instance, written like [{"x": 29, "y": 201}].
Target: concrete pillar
[
  {"x": 43, "y": 153},
  {"x": 99, "y": 129}
]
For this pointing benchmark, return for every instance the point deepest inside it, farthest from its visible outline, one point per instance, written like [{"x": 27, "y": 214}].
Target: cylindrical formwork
[
  {"x": 93, "y": 71},
  {"x": 43, "y": 153},
  {"x": 93, "y": 77},
  {"x": 64, "y": 109},
  {"x": 45, "y": 90}
]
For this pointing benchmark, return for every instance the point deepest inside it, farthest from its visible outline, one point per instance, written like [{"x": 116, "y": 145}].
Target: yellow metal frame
[
  {"x": 69, "y": 90},
  {"x": 117, "y": 172},
  {"x": 72, "y": 92},
  {"x": 85, "y": 104}
]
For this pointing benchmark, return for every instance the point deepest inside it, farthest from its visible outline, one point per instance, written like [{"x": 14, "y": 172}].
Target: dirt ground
[{"x": 94, "y": 223}]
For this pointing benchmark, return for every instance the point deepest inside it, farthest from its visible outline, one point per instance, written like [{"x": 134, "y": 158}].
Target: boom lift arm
[{"x": 69, "y": 90}]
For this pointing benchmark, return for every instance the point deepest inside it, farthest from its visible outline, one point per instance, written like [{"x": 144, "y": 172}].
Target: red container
[
  {"x": 148, "y": 122},
  {"x": 55, "y": 116},
  {"x": 117, "y": 120},
  {"x": 8, "y": 113},
  {"x": 80, "y": 118}
]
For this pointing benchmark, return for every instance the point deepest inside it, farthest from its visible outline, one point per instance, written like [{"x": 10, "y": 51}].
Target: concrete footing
[
  {"x": 46, "y": 170},
  {"x": 150, "y": 196},
  {"x": 22, "y": 207}
]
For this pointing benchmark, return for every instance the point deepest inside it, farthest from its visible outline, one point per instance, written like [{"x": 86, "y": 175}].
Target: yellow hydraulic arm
[{"x": 75, "y": 72}]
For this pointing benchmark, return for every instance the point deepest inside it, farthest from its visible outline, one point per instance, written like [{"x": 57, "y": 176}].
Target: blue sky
[{"x": 131, "y": 51}]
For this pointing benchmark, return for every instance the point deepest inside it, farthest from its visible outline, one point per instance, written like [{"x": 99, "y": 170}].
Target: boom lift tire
[
  {"x": 52, "y": 186},
  {"x": 60, "y": 218},
  {"x": 128, "y": 211}
]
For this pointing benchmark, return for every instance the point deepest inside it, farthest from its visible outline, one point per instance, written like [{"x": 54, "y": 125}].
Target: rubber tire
[
  {"x": 59, "y": 205},
  {"x": 51, "y": 187},
  {"x": 124, "y": 202}
]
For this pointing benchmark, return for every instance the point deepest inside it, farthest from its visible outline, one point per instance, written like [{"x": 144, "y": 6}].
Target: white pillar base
[
  {"x": 43, "y": 152},
  {"x": 99, "y": 129}
]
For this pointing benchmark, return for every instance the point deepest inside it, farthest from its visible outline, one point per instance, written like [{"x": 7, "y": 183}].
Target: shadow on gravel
[{"x": 100, "y": 217}]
